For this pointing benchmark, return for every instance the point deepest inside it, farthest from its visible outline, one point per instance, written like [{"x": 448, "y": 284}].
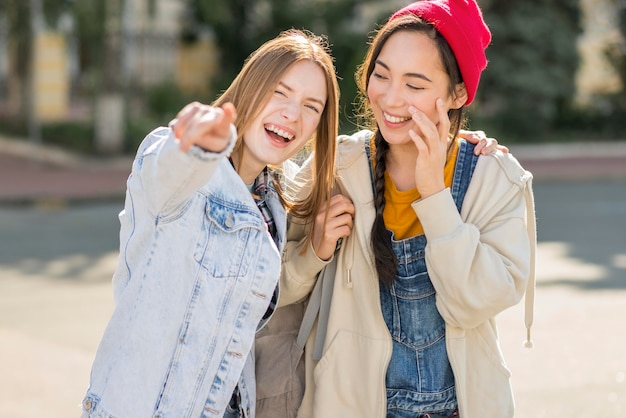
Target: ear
[{"x": 460, "y": 96}]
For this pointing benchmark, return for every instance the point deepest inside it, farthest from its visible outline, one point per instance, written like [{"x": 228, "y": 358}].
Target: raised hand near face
[
  {"x": 206, "y": 126},
  {"x": 431, "y": 141}
]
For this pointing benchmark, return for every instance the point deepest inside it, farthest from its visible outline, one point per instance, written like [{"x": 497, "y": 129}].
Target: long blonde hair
[{"x": 252, "y": 88}]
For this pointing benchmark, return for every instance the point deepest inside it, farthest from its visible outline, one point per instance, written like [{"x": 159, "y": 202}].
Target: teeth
[
  {"x": 288, "y": 137},
  {"x": 395, "y": 119}
]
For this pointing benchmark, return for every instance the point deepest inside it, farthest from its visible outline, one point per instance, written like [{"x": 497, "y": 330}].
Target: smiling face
[
  {"x": 288, "y": 120},
  {"x": 408, "y": 72}
]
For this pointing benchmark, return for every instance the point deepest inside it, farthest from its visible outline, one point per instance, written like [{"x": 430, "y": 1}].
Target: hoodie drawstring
[{"x": 529, "y": 298}]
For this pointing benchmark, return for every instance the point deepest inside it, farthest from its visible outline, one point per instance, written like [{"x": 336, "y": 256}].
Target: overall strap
[{"x": 463, "y": 171}]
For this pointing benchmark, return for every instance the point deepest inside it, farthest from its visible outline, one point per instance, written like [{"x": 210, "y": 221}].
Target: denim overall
[{"x": 419, "y": 378}]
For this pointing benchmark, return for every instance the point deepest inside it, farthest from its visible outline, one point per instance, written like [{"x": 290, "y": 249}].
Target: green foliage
[
  {"x": 74, "y": 135},
  {"x": 526, "y": 91},
  {"x": 617, "y": 51},
  {"x": 241, "y": 26},
  {"x": 165, "y": 100},
  {"x": 582, "y": 124},
  {"x": 136, "y": 130},
  {"x": 532, "y": 62},
  {"x": 91, "y": 31}
]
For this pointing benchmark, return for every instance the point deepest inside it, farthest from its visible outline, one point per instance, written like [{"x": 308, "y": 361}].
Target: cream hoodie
[{"x": 480, "y": 261}]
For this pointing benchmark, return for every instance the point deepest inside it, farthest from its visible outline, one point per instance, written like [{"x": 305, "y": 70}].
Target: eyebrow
[
  {"x": 313, "y": 99},
  {"x": 414, "y": 75}
]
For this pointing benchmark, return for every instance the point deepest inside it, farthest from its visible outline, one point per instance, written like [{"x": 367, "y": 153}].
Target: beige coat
[{"x": 488, "y": 250}]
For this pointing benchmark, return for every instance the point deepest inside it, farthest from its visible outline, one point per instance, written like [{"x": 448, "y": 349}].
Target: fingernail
[
  {"x": 412, "y": 109},
  {"x": 439, "y": 102}
]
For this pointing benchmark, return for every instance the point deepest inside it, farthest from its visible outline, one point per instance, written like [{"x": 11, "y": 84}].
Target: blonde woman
[{"x": 202, "y": 233}]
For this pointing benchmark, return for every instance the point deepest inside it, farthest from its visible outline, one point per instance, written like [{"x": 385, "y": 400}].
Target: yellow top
[{"x": 399, "y": 216}]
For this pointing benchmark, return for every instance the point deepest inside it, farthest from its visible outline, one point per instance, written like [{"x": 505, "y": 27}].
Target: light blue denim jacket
[{"x": 196, "y": 271}]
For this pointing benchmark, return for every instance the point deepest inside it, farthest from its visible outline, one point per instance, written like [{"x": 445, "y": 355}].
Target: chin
[
  {"x": 395, "y": 136},
  {"x": 275, "y": 160}
]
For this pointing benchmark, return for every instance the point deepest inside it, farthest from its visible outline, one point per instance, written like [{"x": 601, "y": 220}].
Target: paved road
[
  {"x": 578, "y": 365},
  {"x": 55, "y": 299}
]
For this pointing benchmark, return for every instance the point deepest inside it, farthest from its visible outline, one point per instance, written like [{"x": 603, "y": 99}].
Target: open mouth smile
[
  {"x": 278, "y": 133},
  {"x": 395, "y": 119}
]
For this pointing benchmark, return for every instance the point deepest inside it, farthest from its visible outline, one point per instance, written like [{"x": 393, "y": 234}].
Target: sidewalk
[
  {"x": 48, "y": 175},
  {"x": 573, "y": 161},
  {"x": 56, "y": 265},
  {"x": 51, "y": 176}
]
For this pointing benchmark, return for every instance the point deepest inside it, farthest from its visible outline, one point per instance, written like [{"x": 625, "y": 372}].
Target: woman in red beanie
[{"x": 435, "y": 241}]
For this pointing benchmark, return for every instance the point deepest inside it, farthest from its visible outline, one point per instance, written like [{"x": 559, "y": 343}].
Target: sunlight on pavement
[
  {"x": 619, "y": 261},
  {"x": 554, "y": 263},
  {"x": 62, "y": 376},
  {"x": 74, "y": 267}
]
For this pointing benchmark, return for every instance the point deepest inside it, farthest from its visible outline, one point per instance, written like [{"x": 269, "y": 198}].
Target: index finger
[
  {"x": 180, "y": 122},
  {"x": 230, "y": 112},
  {"x": 220, "y": 119}
]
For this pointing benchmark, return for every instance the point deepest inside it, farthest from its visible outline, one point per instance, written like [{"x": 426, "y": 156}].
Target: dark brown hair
[{"x": 386, "y": 262}]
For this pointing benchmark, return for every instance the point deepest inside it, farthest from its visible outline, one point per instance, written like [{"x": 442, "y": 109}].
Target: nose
[
  {"x": 290, "y": 111},
  {"x": 393, "y": 96}
]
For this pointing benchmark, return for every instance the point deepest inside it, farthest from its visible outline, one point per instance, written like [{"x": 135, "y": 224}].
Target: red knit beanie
[{"x": 461, "y": 23}]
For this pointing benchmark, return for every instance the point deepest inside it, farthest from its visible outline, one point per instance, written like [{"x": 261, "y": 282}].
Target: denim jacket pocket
[{"x": 226, "y": 232}]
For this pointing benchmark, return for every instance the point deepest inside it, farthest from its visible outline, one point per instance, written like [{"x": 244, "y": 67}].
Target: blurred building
[
  {"x": 154, "y": 52},
  {"x": 147, "y": 51}
]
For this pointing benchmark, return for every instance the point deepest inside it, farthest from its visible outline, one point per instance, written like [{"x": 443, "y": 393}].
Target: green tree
[
  {"x": 19, "y": 51},
  {"x": 241, "y": 26},
  {"x": 532, "y": 62},
  {"x": 617, "y": 55}
]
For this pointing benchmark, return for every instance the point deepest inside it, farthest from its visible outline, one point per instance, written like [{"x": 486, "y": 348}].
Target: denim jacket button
[
  {"x": 229, "y": 220},
  {"x": 87, "y": 404}
]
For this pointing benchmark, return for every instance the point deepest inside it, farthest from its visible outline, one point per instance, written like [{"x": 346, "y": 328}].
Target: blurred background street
[{"x": 58, "y": 249}]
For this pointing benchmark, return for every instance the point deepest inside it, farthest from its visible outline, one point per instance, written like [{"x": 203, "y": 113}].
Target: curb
[
  {"x": 555, "y": 151},
  {"x": 52, "y": 177},
  {"x": 61, "y": 157}
]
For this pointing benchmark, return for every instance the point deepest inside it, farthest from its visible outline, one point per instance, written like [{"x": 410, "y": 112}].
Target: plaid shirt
[{"x": 260, "y": 190}]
